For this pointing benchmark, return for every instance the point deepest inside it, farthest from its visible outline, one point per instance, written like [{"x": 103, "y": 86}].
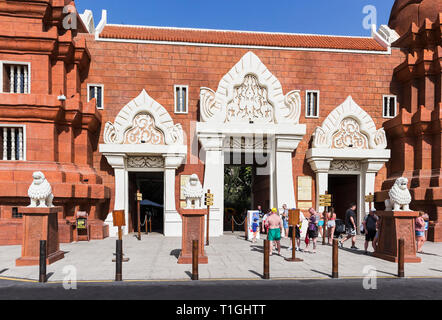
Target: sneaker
[
  {"x": 297, "y": 249},
  {"x": 341, "y": 244}
]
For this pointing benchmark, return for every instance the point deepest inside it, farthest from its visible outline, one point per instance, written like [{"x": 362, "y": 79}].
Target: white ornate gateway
[
  {"x": 348, "y": 143},
  {"x": 143, "y": 137},
  {"x": 249, "y": 114}
]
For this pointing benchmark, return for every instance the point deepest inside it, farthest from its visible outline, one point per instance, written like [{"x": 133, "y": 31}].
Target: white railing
[
  {"x": 13, "y": 143},
  {"x": 18, "y": 78}
]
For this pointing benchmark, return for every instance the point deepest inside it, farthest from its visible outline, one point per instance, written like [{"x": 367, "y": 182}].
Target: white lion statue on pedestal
[
  {"x": 40, "y": 191},
  {"x": 400, "y": 197},
  {"x": 193, "y": 192}
]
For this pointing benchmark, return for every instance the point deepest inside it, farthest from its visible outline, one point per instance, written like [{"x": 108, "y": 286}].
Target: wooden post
[
  {"x": 42, "y": 270},
  {"x": 138, "y": 215},
  {"x": 293, "y": 258},
  {"x": 195, "y": 245},
  {"x": 324, "y": 227},
  {"x": 119, "y": 261},
  {"x": 208, "y": 220},
  {"x": 246, "y": 228},
  {"x": 266, "y": 274},
  {"x": 401, "y": 258},
  {"x": 335, "y": 264}
]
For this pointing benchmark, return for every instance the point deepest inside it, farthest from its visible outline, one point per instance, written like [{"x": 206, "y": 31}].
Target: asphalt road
[{"x": 326, "y": 289}]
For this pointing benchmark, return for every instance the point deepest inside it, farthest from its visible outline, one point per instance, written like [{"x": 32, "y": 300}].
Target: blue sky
[{"x": 338, "y": 17}]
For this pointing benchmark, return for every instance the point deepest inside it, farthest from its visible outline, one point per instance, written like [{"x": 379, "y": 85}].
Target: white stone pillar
[
  {"x": 214, "y": 179},
  {"x": 368, "y": 174},
  {"x": 172, "y": 219},
  {"x": 285, "y": 190},
  {"x": 320, "y": 166},
  {"x": 5, "y": 143},
  {"x": 118, "y": 163}
]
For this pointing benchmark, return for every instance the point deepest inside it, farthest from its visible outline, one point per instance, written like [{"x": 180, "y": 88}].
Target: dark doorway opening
[
  {"x": 344, "y": 189},
  {"x": 246, "y": 185},
  {"x": 151, "y": 186}
]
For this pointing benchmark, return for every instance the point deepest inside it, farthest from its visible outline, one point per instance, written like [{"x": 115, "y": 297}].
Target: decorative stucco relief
[
  {"x": 145, "y": 162},
  {"x": 349, "y": 126},
  {"x": 249, "y": 92},
  {"x": 345, "y": 165},
  {"x": 143, "y": 120}
]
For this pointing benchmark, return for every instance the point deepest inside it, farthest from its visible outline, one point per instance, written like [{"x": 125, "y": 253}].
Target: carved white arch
[
  {"x": 322, "y": 137},
  {"x": 213, "y": 105},
  {"x": 114, "y": 133}
]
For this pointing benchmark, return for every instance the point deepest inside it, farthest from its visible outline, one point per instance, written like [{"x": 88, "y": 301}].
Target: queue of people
[{"x": 276, "y": 225}]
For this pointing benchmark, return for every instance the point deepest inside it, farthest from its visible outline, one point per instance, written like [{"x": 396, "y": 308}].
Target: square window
[
  {"x": 16, "y": 214},
  {"x": 15, "y": 77}
]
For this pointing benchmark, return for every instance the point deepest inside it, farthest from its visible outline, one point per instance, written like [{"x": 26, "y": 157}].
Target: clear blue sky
[{"x": 338, "y": 17}]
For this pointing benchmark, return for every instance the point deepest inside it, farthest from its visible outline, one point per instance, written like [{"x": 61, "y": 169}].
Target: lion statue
[
  {"x": 400, "y": 197},
  {"x": 40, "y": 191},
  {"x": 193, "y": 192}
]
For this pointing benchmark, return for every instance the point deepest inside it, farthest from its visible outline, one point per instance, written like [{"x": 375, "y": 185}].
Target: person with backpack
[
  {"x": 369, "y": 224},
  {"x": 350, "y": 226},
  {"x": 312, "y": 231}
]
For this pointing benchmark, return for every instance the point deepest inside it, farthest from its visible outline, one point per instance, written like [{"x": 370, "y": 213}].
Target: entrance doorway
[
  {"x": 344, "y": 189},
  {"x": 151, "y": 186},
  {"x": 246, "y": 185}
]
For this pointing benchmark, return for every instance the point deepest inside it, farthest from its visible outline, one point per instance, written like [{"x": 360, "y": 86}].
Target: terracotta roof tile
[{"x": 240, "y": 38}]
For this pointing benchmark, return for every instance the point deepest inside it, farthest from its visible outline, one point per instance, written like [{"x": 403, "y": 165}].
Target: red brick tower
[
  {"x": 45, "y": 123},
  {"x": 415, "y": 134}
]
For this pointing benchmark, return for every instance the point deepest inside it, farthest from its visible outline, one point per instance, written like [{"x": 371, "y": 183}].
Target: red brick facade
[{"x": 62, "y": 138}]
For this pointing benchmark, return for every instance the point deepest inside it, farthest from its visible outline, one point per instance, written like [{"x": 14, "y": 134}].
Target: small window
[
  {"x": 181, "y": 99},
  {"x": 312, "y": 104},
  {"x": 389, "y": 110},
  {"x": 16, "y": 214},
  {"x": 15, "y": 77},
  {"x": 12, "y": 139},
  {"x": 96, "y": 91}
]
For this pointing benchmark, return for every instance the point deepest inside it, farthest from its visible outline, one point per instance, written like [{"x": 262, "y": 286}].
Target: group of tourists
[{"x": 276, "y": 223}]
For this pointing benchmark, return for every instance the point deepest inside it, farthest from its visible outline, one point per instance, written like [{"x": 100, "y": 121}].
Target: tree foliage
[{"x": 237, "y": 187}]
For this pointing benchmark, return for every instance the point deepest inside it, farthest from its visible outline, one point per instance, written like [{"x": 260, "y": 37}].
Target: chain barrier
[
  {"x": 239, "y": 224},
  {"x": 145, "y": 218}
]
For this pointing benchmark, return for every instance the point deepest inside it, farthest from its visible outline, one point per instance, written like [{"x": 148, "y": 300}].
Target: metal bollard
[
  {"x": 335, "y": 274},
  {"x": 195, "y": 252},
  {"x": 42, "y": 276},
  {"x": 119, "y": 261},
  {"x": 401, "y": 259},
  {"x": 266, "y": 274}
]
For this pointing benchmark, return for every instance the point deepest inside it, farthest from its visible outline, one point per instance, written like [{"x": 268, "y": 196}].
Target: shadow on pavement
[
  {"x": 189, "y": 274},
  {"x": 50, "y": 274},
  {"x": 385, "y": 272},
  {"x": 429, "y": 269},
  {"x": 256, "y": 273},
  {"x": 4, "y": 270},
  {"x": 320, "y": 272}
]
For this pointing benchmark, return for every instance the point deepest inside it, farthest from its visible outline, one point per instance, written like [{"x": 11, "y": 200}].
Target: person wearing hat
[
  {"x": 370, "y": 223},
  {"x": 275, "y": 226}
]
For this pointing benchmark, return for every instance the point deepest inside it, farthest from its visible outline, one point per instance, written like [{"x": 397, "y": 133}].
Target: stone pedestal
[
  {"x": 393, "y": 226},
  {"x": 193, "y": 229},
  {"x": 39, "y": 224}
]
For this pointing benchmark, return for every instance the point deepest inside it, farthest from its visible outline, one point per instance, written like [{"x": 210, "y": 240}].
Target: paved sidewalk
[{"x": 230, "y": 257}]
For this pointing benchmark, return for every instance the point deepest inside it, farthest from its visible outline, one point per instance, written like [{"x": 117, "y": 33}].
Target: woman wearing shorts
[
  {"x": 312, "y": 231},
  {"x": 420, "y": 231},
  {"x": 331, "y": 225}
]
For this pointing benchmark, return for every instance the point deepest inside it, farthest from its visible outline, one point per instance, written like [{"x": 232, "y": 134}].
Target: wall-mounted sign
[
  {"x": 305, "y": 205},
  {"x": 305, "y": 188}
]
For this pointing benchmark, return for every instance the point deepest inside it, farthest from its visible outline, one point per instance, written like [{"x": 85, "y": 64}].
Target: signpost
[
  {"x": 119, "y": 222},
  {"x": 208, "y": 201},
  {"x": 370, "y": 200},
  {"x": 294, "y": 216},
  {"x": 325, "y": 200},
  {"x": 139, "y": 198}
]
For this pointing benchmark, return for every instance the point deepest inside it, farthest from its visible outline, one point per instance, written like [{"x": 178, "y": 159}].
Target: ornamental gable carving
[
  {"x": 349, "y": 126},
  {"x": 145, "y": 162},
  {"x": 345, "y": 165},
  {"x": 249, "y": 92},
  {"x": 143, "y": 120},
  {"x": 144, "y": 131},
  {"x": 349, "y": 136}
]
